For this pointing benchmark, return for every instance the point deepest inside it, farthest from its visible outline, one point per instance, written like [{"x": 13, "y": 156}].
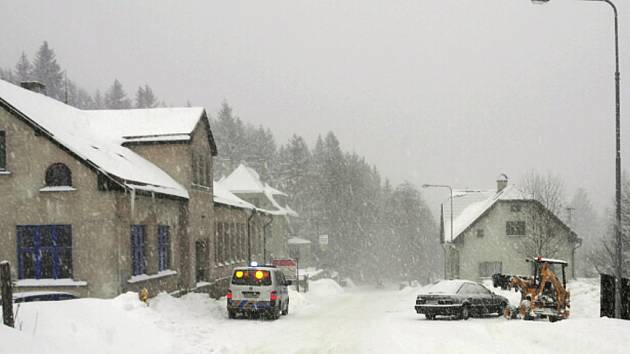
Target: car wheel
[
  {"x": 464, "y": 312},
  {"x": 429, "y": 317},
  {"x": 286, "y": 310},
  {"x": 501, "y": 308}
]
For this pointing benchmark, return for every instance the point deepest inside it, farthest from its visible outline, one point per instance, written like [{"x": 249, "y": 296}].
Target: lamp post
[
  {"x": 451, "y": 239},
  {"x": 451, "y": 190},
  {"x": 619, "y": 243}
]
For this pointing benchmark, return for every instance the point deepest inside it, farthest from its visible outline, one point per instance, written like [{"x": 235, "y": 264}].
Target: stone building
[
  {"x": 102, "y": 202},
  {"x": 245, "y": 183},
  {"x": 494, "y": 231}
]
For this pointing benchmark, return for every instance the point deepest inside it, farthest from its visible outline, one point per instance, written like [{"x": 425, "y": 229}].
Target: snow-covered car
[
  {"x": 459, "y": 298},
  {"x": 32, "y": 296},
  {"x": 258, "y": 290}
]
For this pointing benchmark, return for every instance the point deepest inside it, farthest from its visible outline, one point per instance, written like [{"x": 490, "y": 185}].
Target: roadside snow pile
[
  {"x": 409, "y": 292},
  {"x": 15, "y": 341},
  {"x": 297, "y": 301},
  {"x": 584, "y": 297},
  {"x": 324, "y": 288},
  {"x": 121, "y": 325},
  {"x": 188, "y": 307}
]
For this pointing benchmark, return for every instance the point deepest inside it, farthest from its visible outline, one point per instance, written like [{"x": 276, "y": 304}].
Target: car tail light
[
  {"x": 274, "y": 296},
  {"x": 229, "y": 295}
]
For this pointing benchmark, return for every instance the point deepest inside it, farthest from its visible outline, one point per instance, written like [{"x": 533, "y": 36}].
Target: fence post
[{"x": 7, "y": 293}]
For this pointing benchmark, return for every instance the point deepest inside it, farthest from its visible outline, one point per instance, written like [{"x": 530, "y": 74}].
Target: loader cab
[{"x": 556, "y": 265}]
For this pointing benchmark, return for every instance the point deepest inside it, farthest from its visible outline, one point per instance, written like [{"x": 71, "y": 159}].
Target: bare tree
[{"x": 543, "y": 232}]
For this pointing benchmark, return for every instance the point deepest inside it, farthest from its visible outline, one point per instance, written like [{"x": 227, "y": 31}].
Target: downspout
[
  {"x": 577, "y": 244},
  {"x": 249, "y": 236},
  {"x": 265, "y": 237}
]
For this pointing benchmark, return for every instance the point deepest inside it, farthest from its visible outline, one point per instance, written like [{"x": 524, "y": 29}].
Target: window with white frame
[{"x": 44, "y": 251}]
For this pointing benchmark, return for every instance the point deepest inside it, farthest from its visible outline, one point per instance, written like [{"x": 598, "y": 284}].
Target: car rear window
[
  {"x": 445, "y": 287},
  {"x": 253, "y": 277}
]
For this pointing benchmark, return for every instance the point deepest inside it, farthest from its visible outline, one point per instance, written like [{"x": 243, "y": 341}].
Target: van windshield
[{"x": 253, "y": 277}]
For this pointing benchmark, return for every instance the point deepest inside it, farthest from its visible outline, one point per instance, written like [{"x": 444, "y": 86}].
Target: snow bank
[
  {"x": 584, "y": 298},
  {"x": 328, "y": 319},
  {"x": 120, "y": 325},
  {"x": 324, "y": 288},
  {"x": 15, "y": 341}
]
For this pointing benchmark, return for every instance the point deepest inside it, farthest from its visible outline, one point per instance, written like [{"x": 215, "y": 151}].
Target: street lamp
[
  {"x": 451, "y": 189},
  {"x": 619, "y": 244}
]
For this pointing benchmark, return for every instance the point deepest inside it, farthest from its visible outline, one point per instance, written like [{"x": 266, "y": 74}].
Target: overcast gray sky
[{"x": 441, "y": 91}]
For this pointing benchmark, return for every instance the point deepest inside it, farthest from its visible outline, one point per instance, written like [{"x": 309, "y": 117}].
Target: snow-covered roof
[
  {"x": 245, "y": 180},
  {"x": 96, "y": 137},
  {"x": 549, "y": 260},
  {"x": 298, "y": 241},
  {"x": 446, "y": 287},
  {"x": 469, "y": 205},
  {"x": 223, "y": 196}
]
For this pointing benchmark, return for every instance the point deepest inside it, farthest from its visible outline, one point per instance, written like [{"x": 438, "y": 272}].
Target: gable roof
[
  {"x": 97, "y": 138},
  {"x": 133, "y": 126},
  {"x": 469, "y": 205},
  {"x": 245, "y": 180}
]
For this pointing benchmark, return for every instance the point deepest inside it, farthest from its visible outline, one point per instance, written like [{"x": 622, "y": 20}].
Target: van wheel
[
  {"x": 286, "y": 309},
  {"x": 274, "y": 314}
]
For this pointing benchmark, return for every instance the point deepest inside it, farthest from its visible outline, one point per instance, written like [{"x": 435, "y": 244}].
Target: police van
[{"x": 258, "y": 290}]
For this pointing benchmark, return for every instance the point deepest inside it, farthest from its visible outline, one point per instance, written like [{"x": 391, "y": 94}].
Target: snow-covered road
[{"x": 326, "y": 320}]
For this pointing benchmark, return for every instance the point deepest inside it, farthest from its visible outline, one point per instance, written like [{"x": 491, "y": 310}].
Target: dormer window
[{"x": 58, "y": 175}]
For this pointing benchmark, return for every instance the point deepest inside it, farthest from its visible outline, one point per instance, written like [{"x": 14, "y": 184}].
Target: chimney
[
  {"x": 502, "y": 182},
  {"x": 34, "y": 86}
]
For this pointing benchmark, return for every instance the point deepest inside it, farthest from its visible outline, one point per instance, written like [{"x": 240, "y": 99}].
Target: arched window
[{"x": 58, "y": 174}]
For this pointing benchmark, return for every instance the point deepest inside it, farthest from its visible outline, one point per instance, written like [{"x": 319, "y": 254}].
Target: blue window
[
  {"x": 138, "y": 262},
  {"x": 164, "y": 247},
  {"x": 44, "y": 251},
  {"x": 3, "y": 150}
]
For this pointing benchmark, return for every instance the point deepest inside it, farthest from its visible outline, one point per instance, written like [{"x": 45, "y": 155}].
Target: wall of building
[
  {"x": 496, "y": 246},
  {"x": 200, "y": 212},
  {"x": 88, "y": 210},
  {"x": 234, "y": 244},
  {"x": 148, "y": 211},
  {"x": 190, "y": 164}
]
